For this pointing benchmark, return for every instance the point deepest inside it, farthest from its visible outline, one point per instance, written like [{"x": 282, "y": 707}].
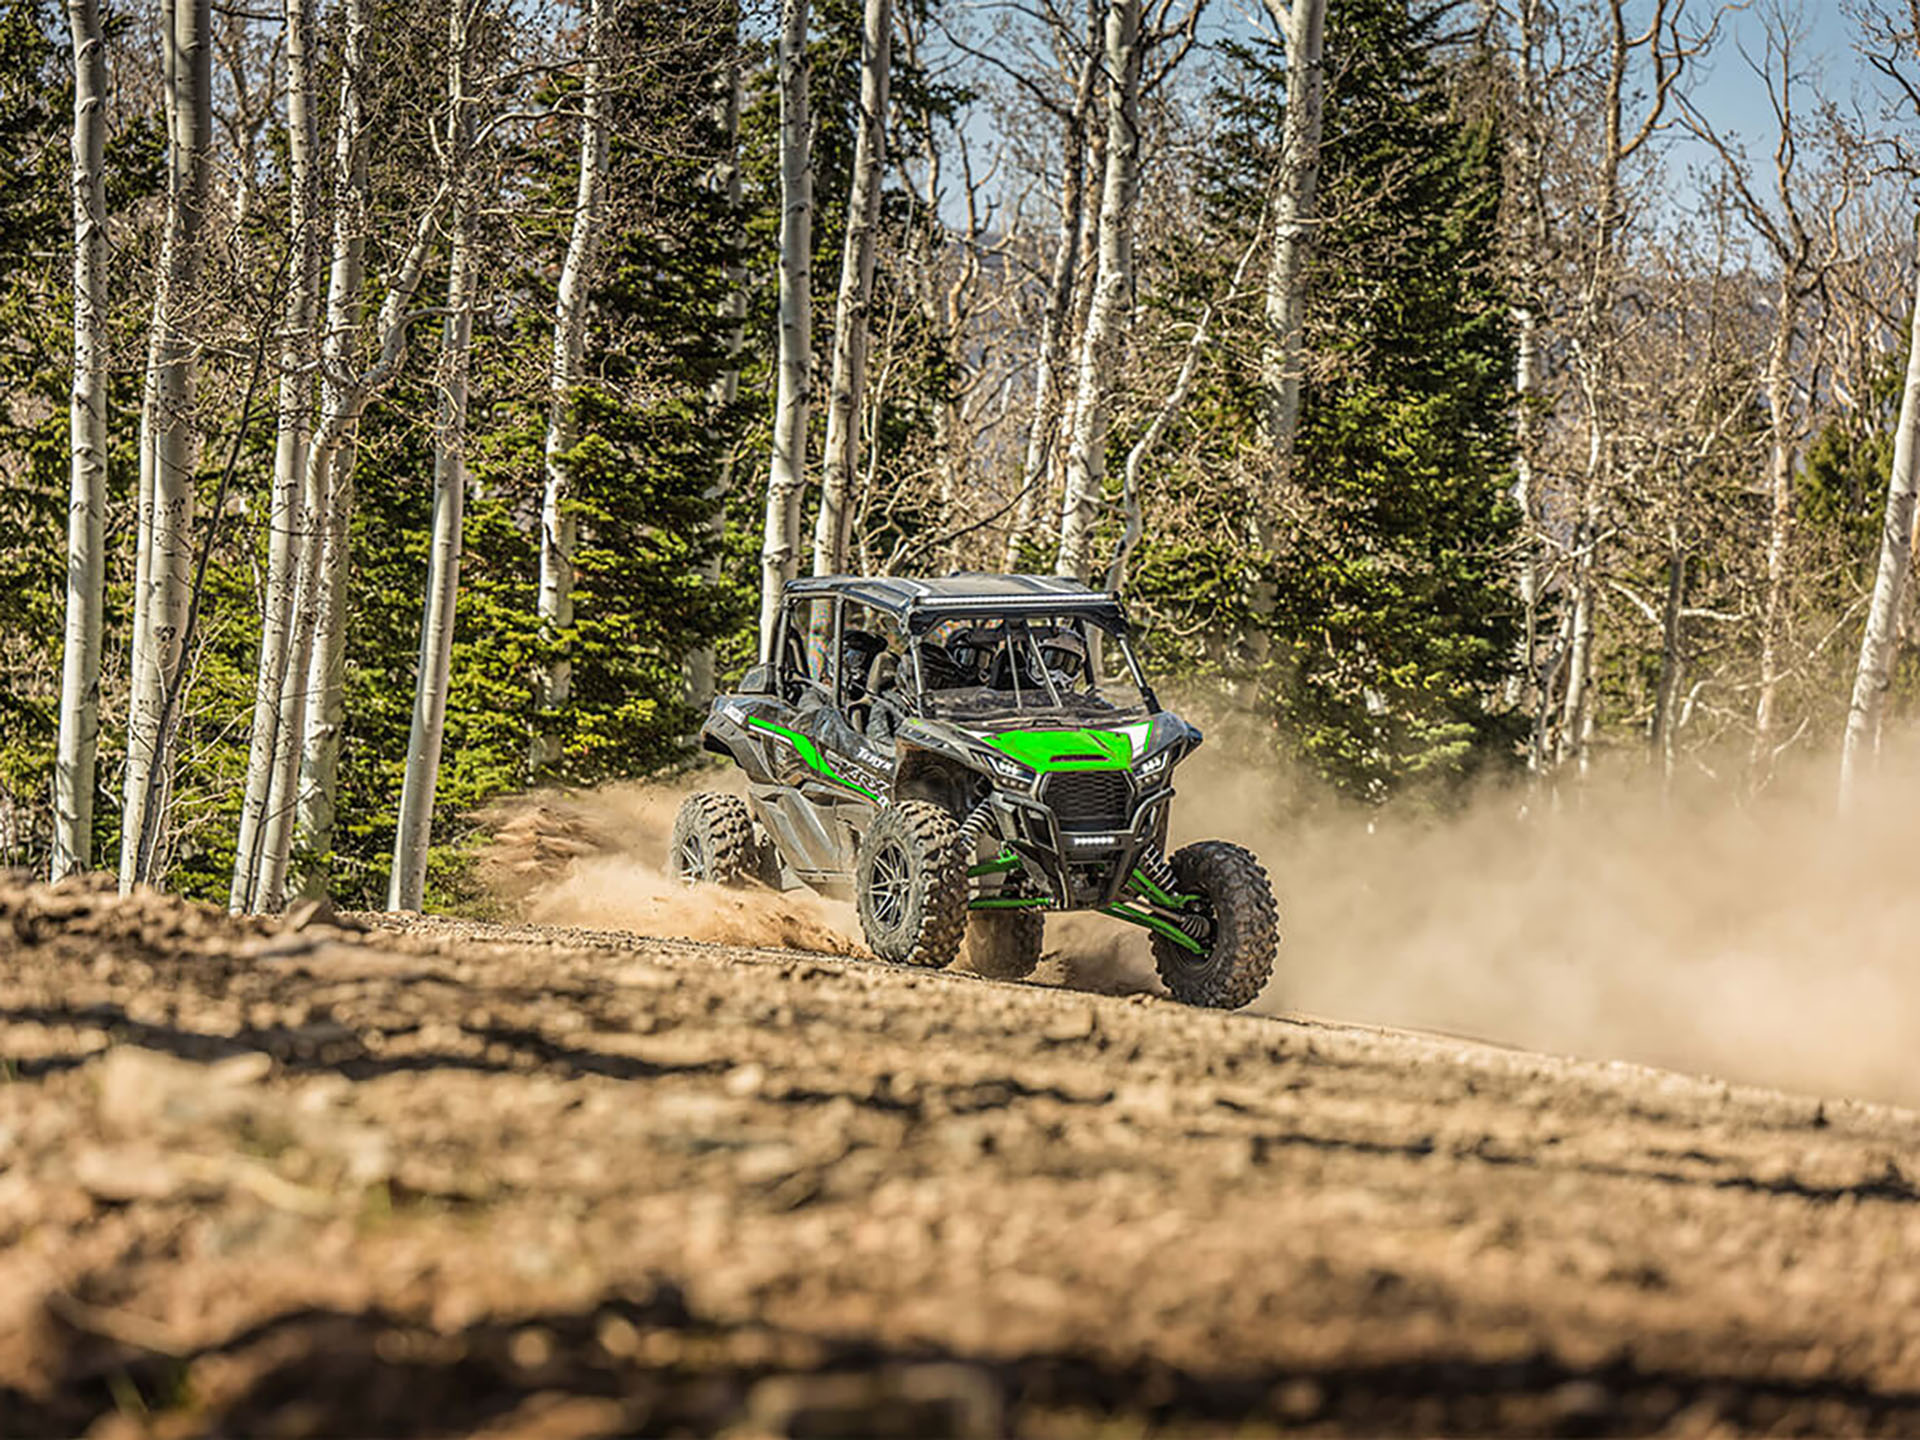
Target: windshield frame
[{"x": 1021, "y": 701}]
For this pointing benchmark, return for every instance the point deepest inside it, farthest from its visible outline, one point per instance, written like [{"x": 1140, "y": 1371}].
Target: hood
[{"x": 1049, "y": 750}]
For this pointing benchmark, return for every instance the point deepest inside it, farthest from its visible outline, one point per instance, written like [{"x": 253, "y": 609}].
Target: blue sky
[
  {"x": 1723, "y": 86},
  {"x": 1733, "y": 98}
]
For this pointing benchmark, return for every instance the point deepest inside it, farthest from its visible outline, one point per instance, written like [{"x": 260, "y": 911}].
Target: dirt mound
[
  {"x": 450, "y": 1176},
  {"x": 88, "y": 908}
]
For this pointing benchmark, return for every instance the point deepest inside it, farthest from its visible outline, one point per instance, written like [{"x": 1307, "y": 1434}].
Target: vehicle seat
[
  {"x": 883, "y": 679},
  {"x": 857, "y": 651}
]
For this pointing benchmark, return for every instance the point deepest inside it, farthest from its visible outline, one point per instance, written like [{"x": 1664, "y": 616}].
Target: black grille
[{"x": 1089, "y": 799}]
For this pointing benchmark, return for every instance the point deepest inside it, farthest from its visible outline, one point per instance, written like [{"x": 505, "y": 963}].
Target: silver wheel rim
[
  {"x": 691, "y": 859},
  {"x": 889, "y": 884}
]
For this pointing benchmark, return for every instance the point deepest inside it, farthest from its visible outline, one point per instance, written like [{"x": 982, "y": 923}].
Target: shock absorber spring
[
  {"x": 978, "y": 820},
  {"x": 1154, "y": 866}
]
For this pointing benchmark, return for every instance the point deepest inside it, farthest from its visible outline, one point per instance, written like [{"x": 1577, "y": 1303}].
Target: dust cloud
[
  {"x": 1765, "y": 940},
  {"x": 598, "y": 859}
]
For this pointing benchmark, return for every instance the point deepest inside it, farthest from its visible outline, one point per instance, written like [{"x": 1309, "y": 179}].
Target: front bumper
[{"x": 1079, "y": 869}]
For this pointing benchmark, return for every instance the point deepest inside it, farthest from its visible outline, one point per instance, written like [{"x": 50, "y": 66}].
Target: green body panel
[
  {"x": 1160, "y": 924},
  {"x": 810, "y": 755},
  {"x": 1051, "y": 750},
  {"x": 1157, "y": 925},
  {"x": 1006, "y": 860}
]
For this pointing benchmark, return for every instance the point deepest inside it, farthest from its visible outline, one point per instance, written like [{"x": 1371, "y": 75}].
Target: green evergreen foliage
[
  {"x": 1361, "y": 608},
  {"x": 35, "y": 83},
  {"x": 36, "y": 359},
  {"x": 1840, "y": 493},
  {"x": 1387, "y": 591},
  {"x": 651, "y": 445}
]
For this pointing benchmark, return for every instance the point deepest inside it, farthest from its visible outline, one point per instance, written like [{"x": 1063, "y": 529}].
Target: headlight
[
  {"x": 1155, "y": 763},
  {"x": 1009, "y": 769}
]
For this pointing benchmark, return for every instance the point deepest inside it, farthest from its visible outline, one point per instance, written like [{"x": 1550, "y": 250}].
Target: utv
[{"x": 962, "y": 757}]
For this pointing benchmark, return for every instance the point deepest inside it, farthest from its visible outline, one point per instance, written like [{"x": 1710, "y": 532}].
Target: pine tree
[{"x": 1391, "y": 613}]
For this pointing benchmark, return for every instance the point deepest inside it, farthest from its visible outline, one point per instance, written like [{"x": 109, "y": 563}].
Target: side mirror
[{"x": 759, "y": 680}]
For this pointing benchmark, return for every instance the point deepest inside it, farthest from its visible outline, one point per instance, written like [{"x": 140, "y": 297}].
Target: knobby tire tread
[{"x": 1247, "y": 937}]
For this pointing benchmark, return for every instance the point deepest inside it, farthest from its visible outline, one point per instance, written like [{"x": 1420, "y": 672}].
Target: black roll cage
[{"x": 917, "y": 615}]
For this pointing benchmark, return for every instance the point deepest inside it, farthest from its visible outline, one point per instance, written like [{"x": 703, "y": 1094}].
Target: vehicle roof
[{"x": 919, "y": 602}]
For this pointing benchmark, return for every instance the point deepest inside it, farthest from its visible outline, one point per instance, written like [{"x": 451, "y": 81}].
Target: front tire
[
  {"x": 910, "y": 883},
  {"x": 1005, "y": 944},
  {"x": 1240, "y": 925},
  {"x": 713, "y": 841}
]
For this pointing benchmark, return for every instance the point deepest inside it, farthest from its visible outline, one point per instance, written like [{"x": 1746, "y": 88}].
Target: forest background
[{"x": 405, "y": 405}]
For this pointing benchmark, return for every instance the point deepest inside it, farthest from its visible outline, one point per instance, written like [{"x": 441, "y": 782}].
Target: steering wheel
[{"x": 940, "y": 670}]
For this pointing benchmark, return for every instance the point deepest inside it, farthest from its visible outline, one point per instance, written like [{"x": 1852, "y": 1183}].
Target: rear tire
[
  {"x": 1244, "y": 935},
  {"x": 910, "y": 883},
  {"x": 1004, "y": 944},
  {"x": 713, "y": 841}
]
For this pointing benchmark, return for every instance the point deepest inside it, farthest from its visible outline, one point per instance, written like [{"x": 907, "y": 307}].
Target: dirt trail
[{"x": 445, "y": 1177}]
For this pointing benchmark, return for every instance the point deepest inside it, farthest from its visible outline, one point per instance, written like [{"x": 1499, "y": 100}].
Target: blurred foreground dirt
[{"x": 446, "y": 1178}]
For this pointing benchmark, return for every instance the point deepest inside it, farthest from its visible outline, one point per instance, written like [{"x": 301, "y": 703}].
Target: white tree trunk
[
  {"x": 557, "y": 523},
  {"x": 73, "y": 776},
  {"x": 315, "y": 815},
  {"x": 1049, "y": 378},
  {"x": 143, "y": 506},
  {"x": 847, "y": 387},
  {"x": 1081, "y": 307},
  {"x": 289, "y": 451},
  {"x": 1779, "y": 391},
  {"x": 1529, "y": 693},
  {"x": 1672, "y": 659},
  {"x": 1526, "y": 385},
  {"x": 780, "y": 544},
  {"x": 1112, "y": 294},
  {"x": 1282, "y": 358},
  {"x": 1876, "y": 645},
  {"x": 314, "y": 810},
  {"x": 406, "y": 886},
  {"x": 187, "y": 50},
  {"x": 1576, "y": 712},
  {"x": 346, "y": 275}
]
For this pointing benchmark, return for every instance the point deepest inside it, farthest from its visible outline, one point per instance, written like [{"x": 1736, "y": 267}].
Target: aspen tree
[
  {"x": 1112, "y": 294},
  {"x": 1303, "y": 24},
  {"x": 557, "y": 522},
  {"x": 847, "y": 385},
  {"x": 166, "y": 520},
  {"x": 786, "y": 471},
  {"x": 1050, "y": 364},
  {"x": 1593, "y": 323},
  {"x": 1871, "y": 675},
  {"x": 293, "y": 422},
  {"x": 86, "y": 560},
  {"x": 406, "y": 884},
  {"x": 300, "y": 811}
]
